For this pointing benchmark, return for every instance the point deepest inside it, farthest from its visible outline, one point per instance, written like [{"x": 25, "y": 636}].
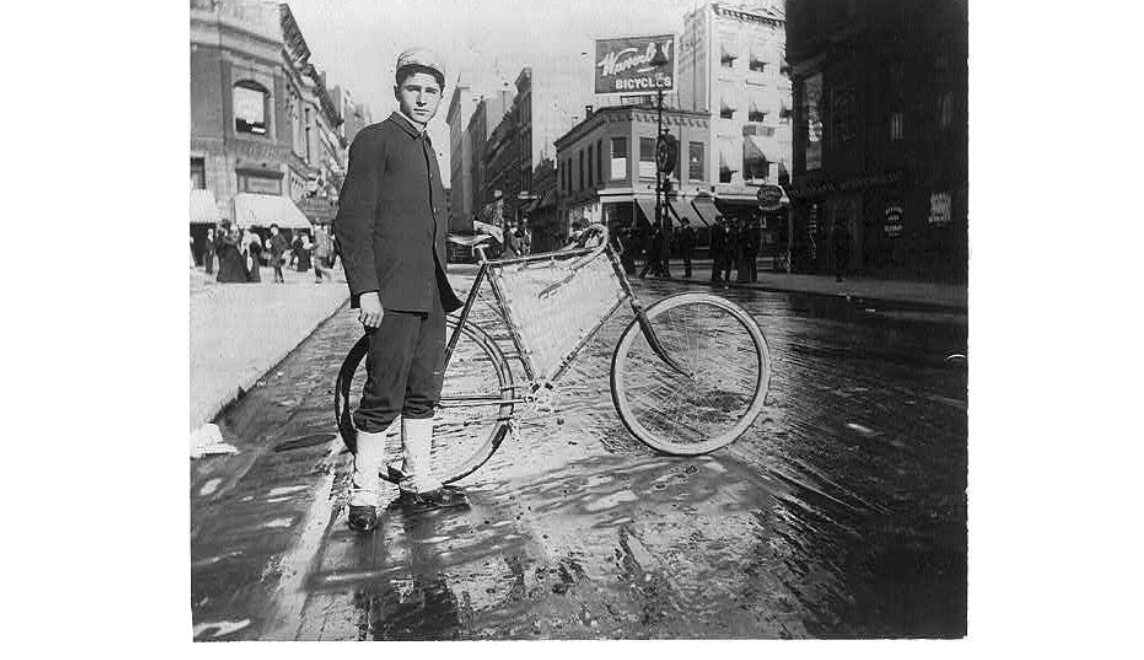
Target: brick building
[
  {"x": 487, "y": 115},
  {"x": 880, "y": 107},
  {"x": 606, "y": 169},
  {"x": 461, "y": 106}
]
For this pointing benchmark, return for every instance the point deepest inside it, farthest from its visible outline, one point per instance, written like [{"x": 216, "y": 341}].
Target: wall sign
[
  {"x": 893, "y": 221},
  {"x": 940, "y": 212}
]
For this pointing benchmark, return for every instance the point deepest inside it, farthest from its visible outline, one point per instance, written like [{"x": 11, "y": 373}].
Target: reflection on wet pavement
[{"x": 841, "y": 513}]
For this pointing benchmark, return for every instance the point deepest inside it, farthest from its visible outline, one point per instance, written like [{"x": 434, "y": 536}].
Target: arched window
[{"x": 251, "y": 108}]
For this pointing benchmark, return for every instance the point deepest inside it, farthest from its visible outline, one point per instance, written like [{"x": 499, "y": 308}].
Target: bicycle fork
[{"x": 653, "y": 341}]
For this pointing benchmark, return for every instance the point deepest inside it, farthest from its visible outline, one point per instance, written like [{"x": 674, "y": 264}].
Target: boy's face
[{"x": 419, "y": 95}]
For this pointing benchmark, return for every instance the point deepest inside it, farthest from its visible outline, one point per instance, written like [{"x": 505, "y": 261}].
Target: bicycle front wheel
[
  {"x": 729, "y": 363},
  {"x": 471, "y": 420}
]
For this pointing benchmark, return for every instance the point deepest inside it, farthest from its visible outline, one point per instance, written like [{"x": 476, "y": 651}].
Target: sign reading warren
[{"x": 623, "y": 65}]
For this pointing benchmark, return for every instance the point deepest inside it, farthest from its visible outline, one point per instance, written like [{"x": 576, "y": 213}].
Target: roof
[
  {"x": 253, "y": 210},
  {"x": 204, "y": 209}
]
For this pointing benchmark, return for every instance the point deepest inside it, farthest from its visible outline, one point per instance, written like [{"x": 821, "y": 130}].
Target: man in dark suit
[
  {"x": 391, "y": 226},
  {"x": 686, "y": 245},
  {"x": 718, "y": 249}
]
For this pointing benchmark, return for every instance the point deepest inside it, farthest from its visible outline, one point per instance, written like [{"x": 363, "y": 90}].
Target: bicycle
[{"x": 688, "y": 376}]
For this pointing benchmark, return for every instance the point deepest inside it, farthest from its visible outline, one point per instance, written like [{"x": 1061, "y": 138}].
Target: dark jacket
[{"x": 391, "y": 222}]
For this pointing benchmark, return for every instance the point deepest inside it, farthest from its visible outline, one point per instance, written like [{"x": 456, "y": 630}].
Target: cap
[{"x": 423, "y": 58}]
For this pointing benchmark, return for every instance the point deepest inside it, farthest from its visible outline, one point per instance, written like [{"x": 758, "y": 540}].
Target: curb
[
  {"x": 896, "y": 303},
  {"x": 246, "y": 384}
]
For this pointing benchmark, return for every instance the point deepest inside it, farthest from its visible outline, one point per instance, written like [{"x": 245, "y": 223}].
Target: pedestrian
[
  {"x": 391, "y": 225},
  {"x": 718, "y": 247},
  {"x": 526, "y": 240},
  {"x": 654, "y": 251},
  {"x": 628, "y": 250},
  {"x": 511, "y": 242},
  {"x": 302, "y": 252},
  {"x": 230, "y": 264},
  {"x": 277, "y": 247},
  {"x": 686, "y": 245},
  {"x": 841, "y": 241},
  {"x": 731, "y": 248},
  {"x": 253, "y": 256},
  {"x": 209, "y": 252},
  {"x": 743, "y": 271},
  {"x": 751, "y": 241},
  {"x": 321, "y": 254}
]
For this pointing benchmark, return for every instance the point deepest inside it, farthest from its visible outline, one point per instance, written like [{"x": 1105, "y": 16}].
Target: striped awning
[
  {"x": 204, "y": 210},
  {"x": 705, "y": 209},
  {"x": 254, "y": 210}
]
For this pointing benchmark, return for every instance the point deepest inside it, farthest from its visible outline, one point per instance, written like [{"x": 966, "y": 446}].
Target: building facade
[
  {"x": 881, "y": 146},
  {"x": 487, "y": 115},
  {"x": 262, "y": 121},
  {"x": 732, "y": 68},
  {"x": 606, "y": 170},
  {"x": 461, "y": 106}
]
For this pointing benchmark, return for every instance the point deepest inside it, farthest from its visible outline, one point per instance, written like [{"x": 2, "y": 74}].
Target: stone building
[
  {"x": 487, "y": 115},
  {"x": 732, "y": 68},
  {"x": 462, "y": 103}
]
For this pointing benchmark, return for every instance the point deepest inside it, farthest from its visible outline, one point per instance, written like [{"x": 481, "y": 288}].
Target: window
[
  {"x": 198, "y": 173},
  {"x": 757, "y": 61},
  {"x": 945, "y": 109},
  {"x": 581, "y": 186},
  {"x": 619, "y": 158},
  {"x": 896, "y": 121},
  {"x": 599, "y": 160},
  {"x": 755, "y": 165},
  {"x": 647, "y": 158},
  {"x": 695, "y": 171},
  {"x": 785, "y": 114},
  {"x": 755, "y": 112},
  {"x": 590, "y": 166},
  {"x": 251, "y": 103},
  {"x": 728, "y": 54},
  {"x": 726, "y": 109}
]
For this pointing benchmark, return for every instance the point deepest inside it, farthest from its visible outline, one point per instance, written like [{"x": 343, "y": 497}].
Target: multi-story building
[
  {"x": 881, "y": 146},
  {"x": 545, "y": 106},
  {"x": 319, "y": 149},
  {"x": 606, "y": 169},
  {"x": 461, "y": 106},
  {"x": 486, "y": 117},
  {"x": 263, "y": 127},
  {"x": 355, "y": 116},
  {"x": 732, "y": 68}
]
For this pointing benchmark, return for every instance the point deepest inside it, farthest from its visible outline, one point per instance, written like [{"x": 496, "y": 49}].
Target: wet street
[{"x": 841, "y": 512}]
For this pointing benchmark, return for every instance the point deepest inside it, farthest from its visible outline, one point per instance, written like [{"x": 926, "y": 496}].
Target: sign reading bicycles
[{"x": 624, "y": 66}]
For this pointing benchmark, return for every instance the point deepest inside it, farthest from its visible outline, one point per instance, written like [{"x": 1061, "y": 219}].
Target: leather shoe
[{"x": 362, "y": 518}]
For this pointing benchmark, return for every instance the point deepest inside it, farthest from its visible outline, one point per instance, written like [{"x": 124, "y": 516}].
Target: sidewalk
[
  {"x": 240, "y": 331},
  {"x": 950, "y": 297}
]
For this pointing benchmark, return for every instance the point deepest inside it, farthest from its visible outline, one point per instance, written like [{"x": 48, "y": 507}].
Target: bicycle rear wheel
[
  {"x": 471, "y": 419},
  {"x": 727, "y": 355}
]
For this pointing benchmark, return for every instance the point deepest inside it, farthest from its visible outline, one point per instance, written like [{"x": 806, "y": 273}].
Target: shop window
[
  {"x": 695, "y": 170},
  {"x": 896, "y": 122},
  {"x": 647, "y": 158},
  {"x": 619, "y": 158},
  {"x": 198, "y": 173},
  {"x": 251, "y": 107}
]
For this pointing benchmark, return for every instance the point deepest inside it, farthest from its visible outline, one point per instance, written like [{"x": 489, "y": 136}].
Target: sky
[{"x": 356, "y": 42}]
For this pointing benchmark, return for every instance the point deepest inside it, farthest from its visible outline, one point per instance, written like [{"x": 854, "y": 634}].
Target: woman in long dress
[
  {"x": 303, "y": 250},
  {"x": 230, "y": 262},
  {"x": 253, "y": 250}
]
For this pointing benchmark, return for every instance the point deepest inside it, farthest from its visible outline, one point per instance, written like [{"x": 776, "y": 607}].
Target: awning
[
  {"x": 254, "y": 210},
  {"x": 648, "y": 208},
  {"x": 204, "y": 210},
  {"x": 726, "y": 106},
  {"x": 705, "y": 210},
  {"x": 728, "y": 51}
]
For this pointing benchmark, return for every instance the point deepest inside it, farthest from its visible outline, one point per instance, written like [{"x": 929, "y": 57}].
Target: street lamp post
[{"x": 658, "y": 60}]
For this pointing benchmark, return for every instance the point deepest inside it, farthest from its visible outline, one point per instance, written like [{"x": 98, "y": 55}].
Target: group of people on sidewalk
[
  {"x": 734, "y": 247},
  {"x": 240, "y": 253}
]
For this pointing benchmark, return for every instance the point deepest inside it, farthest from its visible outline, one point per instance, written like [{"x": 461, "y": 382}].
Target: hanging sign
[{"x": 893, "y": 224}]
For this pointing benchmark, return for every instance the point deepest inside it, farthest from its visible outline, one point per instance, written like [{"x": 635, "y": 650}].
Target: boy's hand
[{"x": 370, "y": 311}]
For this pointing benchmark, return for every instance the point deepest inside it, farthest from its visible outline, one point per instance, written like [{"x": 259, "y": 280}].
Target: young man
[
  {"x": 686, "y": 245},
  {"x": 391, "y": 226}
]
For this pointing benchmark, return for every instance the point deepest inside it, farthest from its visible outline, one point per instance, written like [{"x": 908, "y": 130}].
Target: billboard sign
[{"x": 623, "y": 65}]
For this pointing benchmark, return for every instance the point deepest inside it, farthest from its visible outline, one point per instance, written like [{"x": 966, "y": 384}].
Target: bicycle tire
[
  {"x": 627, "y": 370},
  {"x": 474, "y": 344}
]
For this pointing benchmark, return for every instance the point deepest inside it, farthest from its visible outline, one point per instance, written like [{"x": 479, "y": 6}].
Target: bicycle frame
[{"x": 585, "y": 253}]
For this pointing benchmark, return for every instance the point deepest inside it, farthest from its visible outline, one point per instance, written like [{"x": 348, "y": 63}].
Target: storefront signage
[
  {"x": 261, "y": 185},
  {"x": 940, "y": 212},
  {"x": 820, "y": 188},
  {"x": 893, "y": 223},
  {"x": 744, "y": 16},
  {"x": 770, "y": 198},
  {"x": 812, "y": 110},
  {"x": 624, "y": 65}
]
